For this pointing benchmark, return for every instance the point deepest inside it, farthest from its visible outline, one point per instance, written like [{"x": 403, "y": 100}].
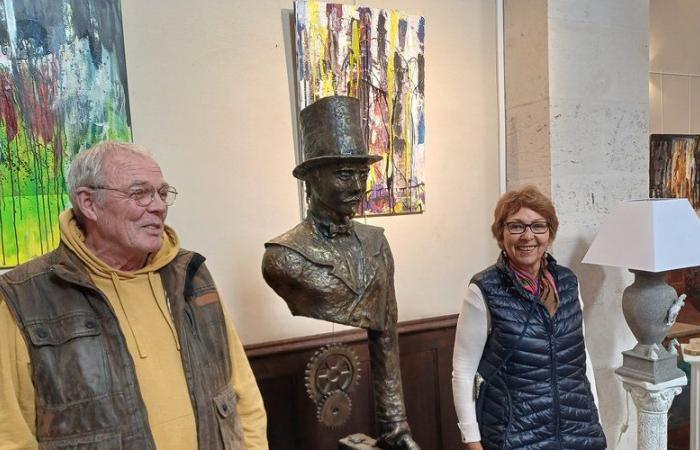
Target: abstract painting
[
  {"x": 673, "y": 167},
  {"x": 377, "y": 56},
  {"x": 63, "y": 88}
]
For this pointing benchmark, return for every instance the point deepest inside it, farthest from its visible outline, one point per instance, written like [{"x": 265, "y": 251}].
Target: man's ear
[{"x": 85, "y": 199}]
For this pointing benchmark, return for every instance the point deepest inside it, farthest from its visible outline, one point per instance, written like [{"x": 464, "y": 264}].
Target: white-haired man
[{"x": 118, "y": 339}]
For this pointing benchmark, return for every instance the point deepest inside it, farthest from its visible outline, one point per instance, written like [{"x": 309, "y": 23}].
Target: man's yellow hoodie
[{"x": 138, "y": 300}]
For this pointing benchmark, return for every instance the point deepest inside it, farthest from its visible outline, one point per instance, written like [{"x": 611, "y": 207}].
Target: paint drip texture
[
  {"x": 377, "y": 56},
  {"x": 673, "y": 167},
  {"x": 63, "y": 88}
]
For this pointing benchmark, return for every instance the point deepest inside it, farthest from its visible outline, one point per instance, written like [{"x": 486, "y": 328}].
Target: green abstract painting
[{"x": 63, "y": 88}]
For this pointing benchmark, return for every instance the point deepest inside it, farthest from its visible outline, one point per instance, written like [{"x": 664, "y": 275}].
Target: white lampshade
[{"x": 654, "y": 235}]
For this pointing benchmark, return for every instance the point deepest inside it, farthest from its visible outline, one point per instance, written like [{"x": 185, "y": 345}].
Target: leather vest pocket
[
  {"x": 68, "y": 359},
  {"x": 62, "y": 329},
  {"x": 227, "y": 416},
  {"x": 100, "y": 441}
]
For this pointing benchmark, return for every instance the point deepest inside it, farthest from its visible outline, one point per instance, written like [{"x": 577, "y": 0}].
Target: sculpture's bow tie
[{"x": 342, "y": 229}]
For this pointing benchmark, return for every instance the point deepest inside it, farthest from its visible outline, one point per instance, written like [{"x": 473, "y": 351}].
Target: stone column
[
  {"x": 653, "y": 402},
  {"x": 694, "y": 362},
  {"x": 577, "y": 107}
]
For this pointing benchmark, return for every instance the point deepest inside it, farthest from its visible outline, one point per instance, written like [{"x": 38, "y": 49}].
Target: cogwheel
[
  {"x": 334, "y": 367},
  {"x": 334, "y": 409}
]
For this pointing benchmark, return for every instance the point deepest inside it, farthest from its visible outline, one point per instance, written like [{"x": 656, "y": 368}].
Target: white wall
[
  {"x": 674, "y": 63},
  {"x": 210, "y": 91}
]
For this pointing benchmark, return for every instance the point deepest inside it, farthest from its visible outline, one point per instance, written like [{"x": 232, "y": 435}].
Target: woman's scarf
[{"x": 541, "y": 286}]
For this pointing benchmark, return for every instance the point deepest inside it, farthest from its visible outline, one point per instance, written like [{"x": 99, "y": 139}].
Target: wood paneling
[{"x": 426, "y": 367}]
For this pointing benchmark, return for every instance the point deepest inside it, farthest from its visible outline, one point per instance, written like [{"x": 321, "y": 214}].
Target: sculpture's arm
[
  {"x": 282, "y": 269},
  {"x": 386, "y": 372}
]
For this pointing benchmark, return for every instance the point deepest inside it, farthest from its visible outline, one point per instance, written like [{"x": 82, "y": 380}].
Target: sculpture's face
[
  {"x": 525, "y": 250},
  {"x": 336, "y": 190}
]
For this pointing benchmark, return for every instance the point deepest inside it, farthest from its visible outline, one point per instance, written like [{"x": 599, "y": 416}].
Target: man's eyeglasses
[
  {"x": 144, "y": 197},
  {"x": 519, "y": 227}
]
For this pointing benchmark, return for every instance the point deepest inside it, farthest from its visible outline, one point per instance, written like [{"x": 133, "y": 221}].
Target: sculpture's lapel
[
  {"x": 342, "y": 270},
  {"x": 371, "y": 240},
  {"x": 305, "y": 240}
]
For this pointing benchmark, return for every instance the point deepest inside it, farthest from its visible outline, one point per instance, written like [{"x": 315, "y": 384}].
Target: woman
[{"x": 522, "y": 378}]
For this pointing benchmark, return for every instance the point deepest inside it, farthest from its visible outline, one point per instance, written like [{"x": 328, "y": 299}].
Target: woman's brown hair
[{"x": 527, "y": 197}]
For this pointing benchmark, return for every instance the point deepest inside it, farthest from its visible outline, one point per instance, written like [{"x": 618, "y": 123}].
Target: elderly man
[
  {"x": 332, "y": 268},
  {"x": 118, "y": 339}
]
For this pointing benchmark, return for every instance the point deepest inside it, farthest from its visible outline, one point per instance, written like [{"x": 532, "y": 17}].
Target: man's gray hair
[{"x": 86, "y": 168}]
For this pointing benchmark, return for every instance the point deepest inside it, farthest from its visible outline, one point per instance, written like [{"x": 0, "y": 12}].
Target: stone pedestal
[
  {"x": 651, "y": 363},
  {"x": 694, "y": 362},
  {"x": 653, "y": 402}
]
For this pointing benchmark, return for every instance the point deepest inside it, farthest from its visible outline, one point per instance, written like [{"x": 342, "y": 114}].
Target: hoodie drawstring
[
  {"x": 152, "y": 282},
  {"x": 116, "y": 283}
]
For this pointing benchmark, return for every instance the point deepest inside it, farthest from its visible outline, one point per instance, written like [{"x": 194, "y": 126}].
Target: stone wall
[{"x": 583, "y": 139}]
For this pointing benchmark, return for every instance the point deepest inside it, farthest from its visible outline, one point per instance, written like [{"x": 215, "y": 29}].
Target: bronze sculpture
[{"x": 332, "y": 268}]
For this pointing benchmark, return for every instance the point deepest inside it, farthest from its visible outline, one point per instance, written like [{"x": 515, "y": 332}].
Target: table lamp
[{"x": 649, "y": 237}]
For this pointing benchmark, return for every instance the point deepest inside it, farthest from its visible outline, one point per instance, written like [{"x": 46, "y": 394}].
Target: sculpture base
[
  {"x": 650, "y": 363},
  {"x": 357, "y": 441}
]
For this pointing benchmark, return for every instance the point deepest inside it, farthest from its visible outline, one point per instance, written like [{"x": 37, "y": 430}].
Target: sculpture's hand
[{"x": 397, "y": 436}]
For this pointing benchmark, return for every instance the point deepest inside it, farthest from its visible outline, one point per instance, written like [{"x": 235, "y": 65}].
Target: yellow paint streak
[
  {"x": 354, "y": 63},
  {"x": 321, "y": 77},
  {"x": 312, "y": 25},
  {"x": 392, "y": 34}
]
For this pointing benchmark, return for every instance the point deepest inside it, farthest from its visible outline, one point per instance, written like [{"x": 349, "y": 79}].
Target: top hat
[{"x": 331, "y": 133}]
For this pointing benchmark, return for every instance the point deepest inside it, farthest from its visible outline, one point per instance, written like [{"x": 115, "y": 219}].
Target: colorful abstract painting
[
  {"x": 63, "y": 88},
  {"x": 376, "y": 55},
  {"x": 673, "y": 167}
]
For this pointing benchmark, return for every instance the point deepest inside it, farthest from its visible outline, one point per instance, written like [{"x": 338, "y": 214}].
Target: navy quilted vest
[{"x": 536, "y": 394}]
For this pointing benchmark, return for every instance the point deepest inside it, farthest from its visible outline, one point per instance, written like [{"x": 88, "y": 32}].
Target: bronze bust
[{"x": 332, "y": 268}]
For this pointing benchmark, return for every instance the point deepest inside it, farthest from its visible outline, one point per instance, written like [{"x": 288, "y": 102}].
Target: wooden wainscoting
[{"x": 426, "y": 367}]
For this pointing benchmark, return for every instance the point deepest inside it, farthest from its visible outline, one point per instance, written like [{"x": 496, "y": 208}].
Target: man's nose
[
  {"x": 157, "y": 204},
  {"x": 358, "y": 183}
]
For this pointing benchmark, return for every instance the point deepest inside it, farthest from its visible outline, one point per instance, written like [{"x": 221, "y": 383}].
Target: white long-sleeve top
[{"x": 473, "y": 327}]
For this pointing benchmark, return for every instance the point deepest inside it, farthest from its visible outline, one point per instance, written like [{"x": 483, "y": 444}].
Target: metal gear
[
  {"x": 334, "y": 409},
  {"x": 334, "y": 367}
]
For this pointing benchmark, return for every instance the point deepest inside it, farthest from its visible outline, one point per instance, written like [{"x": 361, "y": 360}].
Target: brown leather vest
[{"x": 87, "y": 393}]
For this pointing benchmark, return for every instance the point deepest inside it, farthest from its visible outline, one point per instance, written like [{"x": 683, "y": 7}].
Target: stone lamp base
[
  {"x": 650, "y": 307},
  {"x": 653, "y": 364}
]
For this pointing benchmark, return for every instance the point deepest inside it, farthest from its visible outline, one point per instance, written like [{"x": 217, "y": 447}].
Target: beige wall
[
  {"x": 210, "y": 87},
  {"x": 674, "y": 63},
  {"x": 526, "y": 53}
]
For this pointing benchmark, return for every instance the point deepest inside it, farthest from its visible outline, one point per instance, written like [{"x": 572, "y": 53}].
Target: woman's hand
[{"x": 474, "y": 446}]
